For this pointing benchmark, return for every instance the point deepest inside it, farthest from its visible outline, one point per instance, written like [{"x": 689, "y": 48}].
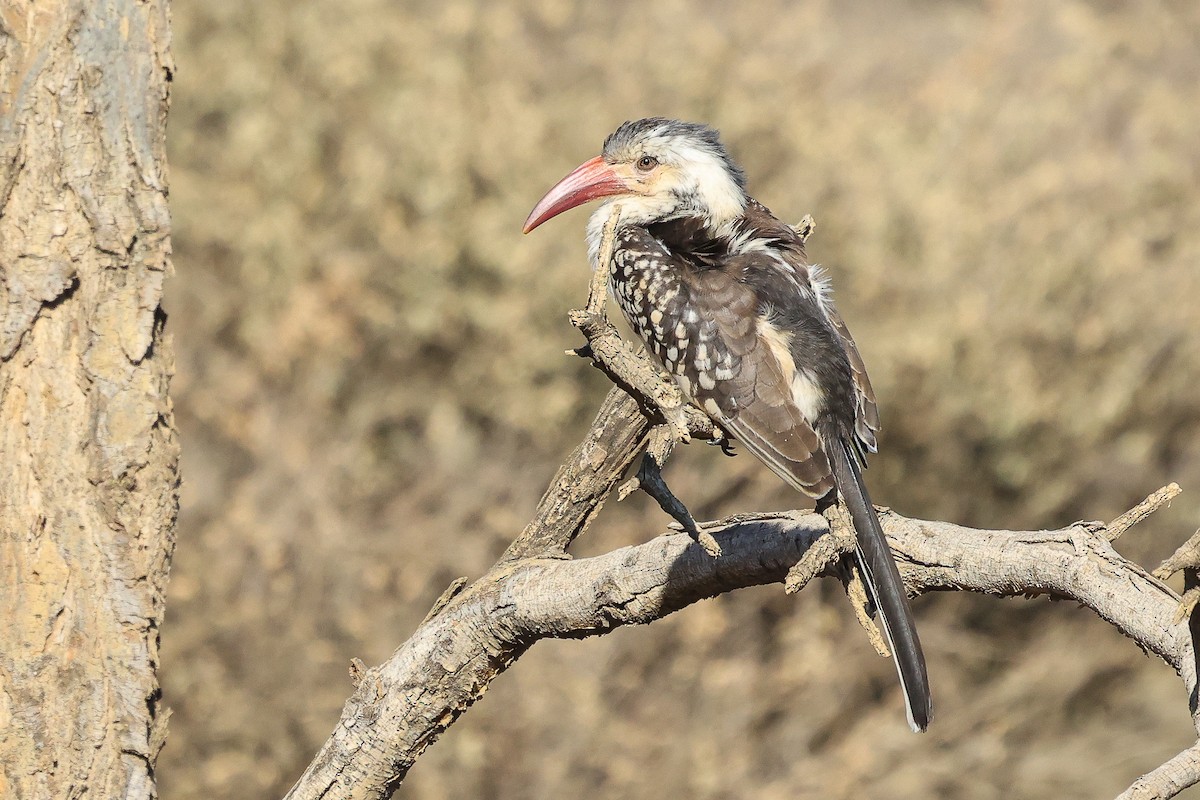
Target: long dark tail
[{"x": 883, "y": 583}]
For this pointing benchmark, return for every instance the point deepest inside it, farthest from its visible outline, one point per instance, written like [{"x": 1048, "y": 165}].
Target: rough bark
[
  {"x": 403, "y": 705},
  {"x": 89, "y": 475}
]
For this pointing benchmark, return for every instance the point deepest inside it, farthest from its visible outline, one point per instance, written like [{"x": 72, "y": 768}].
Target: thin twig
[
  {"x": 1188, "y": 555},
  {"x": 805, "y": 227},
  {"x": 598, "y": 289},
  {"x": 817, "y": 560},
  {"x": 1142, "y": 510},
  {"x": 841, "y": 529}
]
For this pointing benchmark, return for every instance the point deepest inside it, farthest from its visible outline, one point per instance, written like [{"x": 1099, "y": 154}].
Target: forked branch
[
  {"x": 403, "y": 705},
  {"x": 536, "y": 591}
]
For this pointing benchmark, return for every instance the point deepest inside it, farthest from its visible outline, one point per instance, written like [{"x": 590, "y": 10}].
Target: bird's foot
[
  {"x": 1187, "y": 557},
  {"x": 721, "y": 439},
  {"x": 1187, "y": 604}
]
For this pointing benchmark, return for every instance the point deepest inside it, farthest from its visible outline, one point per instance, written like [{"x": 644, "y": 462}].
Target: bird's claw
[{"x": 722, "y": 441}]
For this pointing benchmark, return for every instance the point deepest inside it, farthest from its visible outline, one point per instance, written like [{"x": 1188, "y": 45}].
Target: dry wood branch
[
  {"x": 1168, "y": 780},
  {"x": 1188, "y": 555},
  {"x": 403, "y": 705},
  {"x": 536, "y": 591},
  {"x": 1142, "y": 510},
  {"x": 841, "y": 528},
  {"x": 585, "y": 479}
]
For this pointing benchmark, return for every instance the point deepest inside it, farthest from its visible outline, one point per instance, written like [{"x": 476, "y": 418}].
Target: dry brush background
[{"x": 372, "y": 392}]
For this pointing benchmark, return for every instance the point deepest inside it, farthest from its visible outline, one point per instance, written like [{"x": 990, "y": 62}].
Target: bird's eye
[{"x": 647, "y": 163}]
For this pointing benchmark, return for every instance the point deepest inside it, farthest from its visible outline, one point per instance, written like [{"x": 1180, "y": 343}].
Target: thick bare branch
[
  {"x": 1168, "y": 780},
  {"x": 535, "y": 592},
  {"x": 585, "y": 479},
  {"x": 403, "y": 705}
]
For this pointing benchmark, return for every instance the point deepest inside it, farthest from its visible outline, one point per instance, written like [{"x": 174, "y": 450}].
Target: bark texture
[
  {"x": 89, "y": 475},
  {"x": 403, "y": 705}
]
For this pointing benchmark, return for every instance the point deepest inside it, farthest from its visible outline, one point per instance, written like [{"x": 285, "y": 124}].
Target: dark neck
[{"x": 693, "y": 238}]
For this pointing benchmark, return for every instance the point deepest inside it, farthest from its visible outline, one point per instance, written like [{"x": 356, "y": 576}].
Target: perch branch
[
  {"x": 536, "y": 592},
  {"x": 1167, "y": 780},
  {"x": 403, "y": 705},
  {"x": 579, "y": 488}
]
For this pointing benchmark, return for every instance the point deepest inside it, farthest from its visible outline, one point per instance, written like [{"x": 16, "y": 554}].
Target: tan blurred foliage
[{"x": 372, "y": 391}]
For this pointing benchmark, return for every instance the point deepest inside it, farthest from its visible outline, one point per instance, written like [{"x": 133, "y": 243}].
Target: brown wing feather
[
  {"x": 866, "y": 422},
  {"x": 703, "y": 325},
  {"x": 756, "y": 404}
]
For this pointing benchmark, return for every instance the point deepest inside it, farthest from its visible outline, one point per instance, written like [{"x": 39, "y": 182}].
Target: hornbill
[{"x": 723, "y": 295}]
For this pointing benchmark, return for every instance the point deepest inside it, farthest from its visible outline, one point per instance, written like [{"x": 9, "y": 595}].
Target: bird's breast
[
  {"x": 650, "y": 289},
  {"x": 649, "y": 292}
]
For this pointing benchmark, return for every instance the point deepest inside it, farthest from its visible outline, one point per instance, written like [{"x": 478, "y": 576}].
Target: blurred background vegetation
[{"x": 372, "y": 391}]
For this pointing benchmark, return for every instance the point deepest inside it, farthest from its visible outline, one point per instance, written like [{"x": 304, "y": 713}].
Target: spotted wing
[{"x": 705, "y": 326}]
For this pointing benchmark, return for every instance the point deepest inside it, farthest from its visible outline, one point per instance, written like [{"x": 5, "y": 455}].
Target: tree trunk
[{"x": 88, "y": 450}]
